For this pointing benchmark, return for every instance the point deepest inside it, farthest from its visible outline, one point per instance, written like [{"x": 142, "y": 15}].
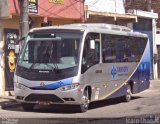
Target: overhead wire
[
  {"x": 58, "y": 11},
  {"x": 46, "y": 10},
  {"x": 78, "y": 10}
]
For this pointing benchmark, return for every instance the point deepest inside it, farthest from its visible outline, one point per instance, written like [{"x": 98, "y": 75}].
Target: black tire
[
  {"x": 128, "y": 95},
  {"x": 28, "y": 106},
  {"x": 85, "y": 105}
]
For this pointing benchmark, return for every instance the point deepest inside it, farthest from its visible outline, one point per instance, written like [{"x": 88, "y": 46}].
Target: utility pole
[
  {"x": 148, "y": 3},
  {"x": 24, "y": 25}
]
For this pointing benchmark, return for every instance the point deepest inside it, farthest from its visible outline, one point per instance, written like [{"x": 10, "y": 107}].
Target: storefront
[{"x": 41, "y": 13}]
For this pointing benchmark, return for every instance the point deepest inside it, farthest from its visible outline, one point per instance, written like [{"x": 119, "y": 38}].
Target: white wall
[
  {"x": 113, "y": 6},
  {"x": 157, "y": 39},
  {"x": 1, "y": 45},
  {"x": 157, "y": 42},
  {"x": 0, "y": 75}
]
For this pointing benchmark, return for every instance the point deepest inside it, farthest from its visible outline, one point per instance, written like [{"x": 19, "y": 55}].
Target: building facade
[
  {"x": 122, "y": 12},
  {"x": 142, "y": 5},
  {"x": 154, "y": 6},
  {"x": 113, "y": 13},
  {"x": 41, "y": 13}
]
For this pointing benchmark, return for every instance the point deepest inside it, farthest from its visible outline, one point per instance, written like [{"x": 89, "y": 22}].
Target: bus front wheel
[
  {"x": 85, "y": 98},
  {"x": 27, "y": 106}
]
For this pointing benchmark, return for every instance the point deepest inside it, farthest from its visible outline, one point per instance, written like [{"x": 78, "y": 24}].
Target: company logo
[
  {"x": 43, "y": 71},
  {"x": 60, "y": 83},
  {"x": 120, "y": 71},
  {"x": 114, "y": 71},
  {"x": 143, "y": 66},
  {"x": 42, "y": 84}
]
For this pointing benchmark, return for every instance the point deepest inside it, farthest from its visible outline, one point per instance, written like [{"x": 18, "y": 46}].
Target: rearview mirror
[
  {"x": 20, "y": 40},
  {"x": 92, "y": 44},
  {"x": 17, "y": 49}
]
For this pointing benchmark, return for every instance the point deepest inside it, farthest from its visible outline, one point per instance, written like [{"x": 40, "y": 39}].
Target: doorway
[{"x": 158, "y": 62}]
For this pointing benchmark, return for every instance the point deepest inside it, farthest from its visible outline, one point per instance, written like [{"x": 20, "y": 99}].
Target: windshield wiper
[
  {"x": 56, "y": 69},
  {"x": 49, "y": 66},
  {"x": 33, "y": 65}
]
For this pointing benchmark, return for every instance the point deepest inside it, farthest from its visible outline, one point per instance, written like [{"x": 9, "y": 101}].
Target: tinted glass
[
  {"x": 122, "y": 48},
  {"x": 60, "y": 51},
  {"x": 91, "y": 56}
]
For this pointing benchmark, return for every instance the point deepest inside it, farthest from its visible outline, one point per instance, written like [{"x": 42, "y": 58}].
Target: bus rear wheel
[
  {"x": 28, "y": 106},
  {"x": 85, "y": 98},
  {"x": 128, "y": 95}
]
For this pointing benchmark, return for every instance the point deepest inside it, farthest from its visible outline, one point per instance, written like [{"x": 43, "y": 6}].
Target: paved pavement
[
  {"x": 9, "y": 101},
  {"x": 146, "y": 102},
  {"x": 144, "y": 108}
]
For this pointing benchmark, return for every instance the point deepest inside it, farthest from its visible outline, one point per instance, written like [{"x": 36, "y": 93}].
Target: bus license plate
[{"x": 46, "y": 103}]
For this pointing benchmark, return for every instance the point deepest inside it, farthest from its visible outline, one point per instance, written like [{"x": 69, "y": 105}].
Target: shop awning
[{"x": 114, "y": 16}]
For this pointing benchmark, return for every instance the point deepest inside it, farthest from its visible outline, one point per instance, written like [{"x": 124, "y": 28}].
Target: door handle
[{"x": 98, "y": 71}]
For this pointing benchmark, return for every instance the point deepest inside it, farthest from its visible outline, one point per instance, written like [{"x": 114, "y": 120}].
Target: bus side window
[
  {"x": 90, "y": 56},
  {"x": 108, "y": 48},
  {"x": 97, "y": 52}
]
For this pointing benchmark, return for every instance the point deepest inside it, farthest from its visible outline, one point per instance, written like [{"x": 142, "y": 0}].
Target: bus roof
[{"x": 100, "y": 27}]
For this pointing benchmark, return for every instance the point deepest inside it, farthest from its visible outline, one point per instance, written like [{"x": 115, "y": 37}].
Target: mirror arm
[{"x": 21, "y": 39}]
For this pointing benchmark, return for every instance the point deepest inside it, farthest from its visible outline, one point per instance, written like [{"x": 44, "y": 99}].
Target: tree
[
  {"x": 24, "y": 25},
  {"x": 148, "y": 5}
]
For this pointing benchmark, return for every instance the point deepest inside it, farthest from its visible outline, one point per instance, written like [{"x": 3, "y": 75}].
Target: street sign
[
  {"x": 10, "y": 37},
  {"x": 33, "y": 7}
]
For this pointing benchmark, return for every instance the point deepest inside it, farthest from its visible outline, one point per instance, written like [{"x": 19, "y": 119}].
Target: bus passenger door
[{"x": 91, "y": 71}]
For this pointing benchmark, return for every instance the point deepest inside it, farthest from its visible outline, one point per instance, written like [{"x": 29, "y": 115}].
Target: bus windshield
[{"x": 49, "y": 51}]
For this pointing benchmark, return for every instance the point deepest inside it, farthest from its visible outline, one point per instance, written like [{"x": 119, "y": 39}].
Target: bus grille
[
  {"x": 43, "y": 97},
  {"x": 33, "y": 88}
]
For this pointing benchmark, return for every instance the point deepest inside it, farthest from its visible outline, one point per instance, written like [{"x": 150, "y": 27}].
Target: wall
[
  {"x": 4, "y": 9},
  {"x": 141, "y": 4},
  {"x": 70, "y": 9},
  {"x": 155, "y": 6},
  {"x": 113, "y": 6},
  {"x": 157, "y": 39},
  {"x": 69, "y": 12}
]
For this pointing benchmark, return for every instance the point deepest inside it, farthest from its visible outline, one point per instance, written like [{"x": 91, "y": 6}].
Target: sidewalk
[
  {"x": 154, "y": 83},
  {"x": 8, "y": 102}
]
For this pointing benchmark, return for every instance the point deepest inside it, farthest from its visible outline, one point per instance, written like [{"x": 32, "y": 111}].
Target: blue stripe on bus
[{"x": 55, "y": 85}]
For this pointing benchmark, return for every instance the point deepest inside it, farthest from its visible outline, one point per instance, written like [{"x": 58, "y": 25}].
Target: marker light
[
  {"x": 69, "y": 87},
  {"x": 20, "y": 86}
]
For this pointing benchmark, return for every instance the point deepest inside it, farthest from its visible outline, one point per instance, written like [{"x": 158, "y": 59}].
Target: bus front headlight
[
  {"x": 69, "y": 87},
  {"x": 20, "y": 86}
]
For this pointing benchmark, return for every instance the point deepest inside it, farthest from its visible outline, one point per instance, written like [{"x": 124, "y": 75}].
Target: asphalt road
[{"x": 144, "y": 103}]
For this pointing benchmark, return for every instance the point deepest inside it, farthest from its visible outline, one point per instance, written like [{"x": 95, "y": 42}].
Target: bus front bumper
[{"x": 57, "y": 96}]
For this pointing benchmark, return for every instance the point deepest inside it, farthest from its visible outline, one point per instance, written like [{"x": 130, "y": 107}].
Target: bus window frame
[{"x": 85, "y": 63}]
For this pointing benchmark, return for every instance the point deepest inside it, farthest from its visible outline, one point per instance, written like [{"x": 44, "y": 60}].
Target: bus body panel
[
  {"x": 143, "y": 72},
  {"x": 106, "y": 80},
  {"x": 36, "y": 87},
  {"x": 140, "y": 78}
]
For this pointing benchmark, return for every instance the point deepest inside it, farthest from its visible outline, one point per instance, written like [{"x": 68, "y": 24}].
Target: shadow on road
[
  {"x": 5, "y": 102},
  {"x": 109, "y": 102},
  {"x": 70, "y": 109}
]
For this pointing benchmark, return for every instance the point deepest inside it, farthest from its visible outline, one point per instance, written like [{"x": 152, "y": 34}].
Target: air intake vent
[
  {"x": 43, "y": 97},
  {"x": 116, "y": 29},
  {"x": 126, "y": 30}
]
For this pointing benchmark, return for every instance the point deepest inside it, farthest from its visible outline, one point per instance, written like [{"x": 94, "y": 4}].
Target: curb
[{"x": 10, "y": 105}]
